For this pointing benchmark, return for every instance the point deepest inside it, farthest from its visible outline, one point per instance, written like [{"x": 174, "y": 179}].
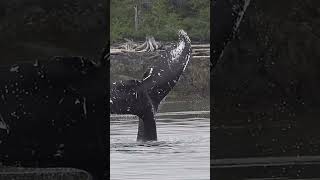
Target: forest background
[{"x": 160, "y": 18}]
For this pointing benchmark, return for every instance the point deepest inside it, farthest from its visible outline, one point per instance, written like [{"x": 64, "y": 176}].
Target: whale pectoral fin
[
  {"x": 164, "y": 74},
  {"x": 147, "y": 130}
]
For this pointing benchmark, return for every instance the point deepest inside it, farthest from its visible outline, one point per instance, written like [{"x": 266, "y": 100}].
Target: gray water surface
[{"x": 181, "y": 152}]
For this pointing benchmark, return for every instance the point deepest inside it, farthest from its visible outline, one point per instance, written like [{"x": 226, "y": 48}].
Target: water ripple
[{"x": 182, "y": 151}]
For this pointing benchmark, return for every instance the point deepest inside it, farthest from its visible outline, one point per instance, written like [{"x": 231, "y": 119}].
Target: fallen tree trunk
[
  {"x": 206, "y": 50},
  {"x": 200, "y": 53},
  {"x": 200, "y": 46},
  {"x": 200, "y": 57}
]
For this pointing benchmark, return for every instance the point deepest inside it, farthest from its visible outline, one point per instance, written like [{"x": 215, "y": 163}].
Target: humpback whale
[
  {"x": 55, "y": 113},
  {"x": 142, "y": 97}
]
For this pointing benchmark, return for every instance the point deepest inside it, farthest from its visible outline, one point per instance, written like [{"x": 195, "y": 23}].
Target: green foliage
[
  {"x": 162, "y": 20},
  {"x": 200, "y": 23},
  {"x": 122, "y": 19}
]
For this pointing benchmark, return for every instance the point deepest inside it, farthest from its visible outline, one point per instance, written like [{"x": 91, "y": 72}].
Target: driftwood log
[
  {"x": 149, "y": 45},
  {"x": 199, "y": 51}
]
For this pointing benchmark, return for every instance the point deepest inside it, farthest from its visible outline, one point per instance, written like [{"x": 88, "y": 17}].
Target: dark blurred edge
[
  {"x": 33, "y": 30},
  {"x": 278, "y": 168},
  {"x": 265, "y": 100},
  {"x": 7, "y": 173}
]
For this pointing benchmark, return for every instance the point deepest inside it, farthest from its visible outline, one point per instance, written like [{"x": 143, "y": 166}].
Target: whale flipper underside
[
  {"x": 164, "y": 75},
  {"x": 142, "y": 97}
]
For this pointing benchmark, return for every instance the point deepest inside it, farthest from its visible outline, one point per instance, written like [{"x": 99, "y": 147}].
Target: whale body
[
  {"x": 55, "y": 113},
  {"x": 142, "y": 97}
]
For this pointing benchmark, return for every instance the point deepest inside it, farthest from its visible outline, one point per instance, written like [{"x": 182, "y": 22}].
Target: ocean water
[{"x": 181, "y": 152}]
